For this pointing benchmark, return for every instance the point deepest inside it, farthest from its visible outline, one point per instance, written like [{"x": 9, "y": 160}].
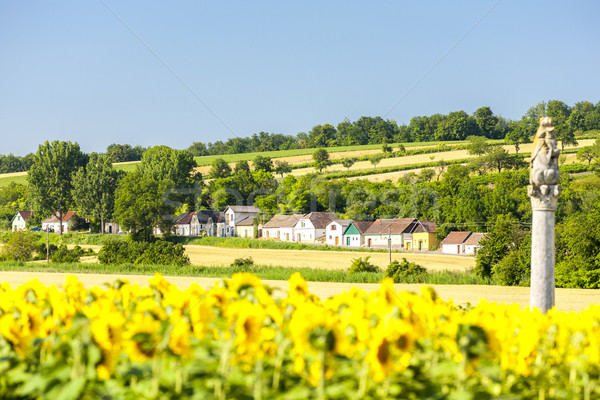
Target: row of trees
[{"x": 583, "y": 116}]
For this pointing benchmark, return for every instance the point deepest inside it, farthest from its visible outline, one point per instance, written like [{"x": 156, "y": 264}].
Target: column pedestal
[{"x": 543, "y": 204}]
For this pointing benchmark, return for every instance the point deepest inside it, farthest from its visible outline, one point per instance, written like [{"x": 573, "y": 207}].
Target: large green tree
[
  {"x": 140, "y": 205},
  {"x": 163, "y": 162},
  {"x": 94, "y": 189},
  {"x": 321, "y": 158},
  {"x": 50, "y": 177}
]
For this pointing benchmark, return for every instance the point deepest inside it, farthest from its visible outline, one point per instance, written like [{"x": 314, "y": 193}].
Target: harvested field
[
  {"x": 566, "y": 299},
  {"x": 215, "y": 256}
]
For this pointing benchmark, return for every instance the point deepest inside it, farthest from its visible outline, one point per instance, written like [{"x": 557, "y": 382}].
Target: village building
[
  {"x": 19, "y": 220},
  {"x": 112, "y": 227},
  {"x": 218, "y": 227},
  {"x": 423, "y": 237},
  {"x": 245, "y": 228},
  {"x": 280, "y": 227},
  {"x": 311, "y": 227},
  {"x": 354, "y": 233},
  {"x": 182, "y": 224},
  {"x": 235, "y": 214},
  {"x": 69, "y": 219},
  {"x": 472, "y": 242},
  {"x": 454, "y": 243},
  {"x": 384, "y": 231},
  {"x": 200, "y": 222},
  {"x": 334, "y": 232}
]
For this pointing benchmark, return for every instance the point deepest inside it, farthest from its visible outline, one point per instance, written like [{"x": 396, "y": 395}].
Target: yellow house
[
  {"x": 245, "y": 228},
  {"x": 423, "y": 237}
]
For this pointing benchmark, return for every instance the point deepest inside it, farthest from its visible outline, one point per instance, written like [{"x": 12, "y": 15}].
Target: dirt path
[{"x": 566, "y": 299}]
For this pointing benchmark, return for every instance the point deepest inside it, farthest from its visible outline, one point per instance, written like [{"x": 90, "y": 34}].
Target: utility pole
[
  {"x": 47, "y": 245},
  {"x": 390, "y": 242}
]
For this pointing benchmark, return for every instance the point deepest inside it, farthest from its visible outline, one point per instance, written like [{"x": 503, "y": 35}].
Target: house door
[
  {"x": 347, "y": 241},
  {"x": 337, "y": 240},
  {"x": 420, "y": 245},
  {"x": 110, "y": 229},
  {"x": 368, "y": 242},
  {"x": 298, "y": 239}
]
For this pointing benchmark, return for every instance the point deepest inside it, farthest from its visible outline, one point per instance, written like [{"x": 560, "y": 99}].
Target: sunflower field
[{"x": 240, "y": 341}]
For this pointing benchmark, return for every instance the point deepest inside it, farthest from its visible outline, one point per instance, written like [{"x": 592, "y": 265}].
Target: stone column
[{"x": 543, "y": 204}]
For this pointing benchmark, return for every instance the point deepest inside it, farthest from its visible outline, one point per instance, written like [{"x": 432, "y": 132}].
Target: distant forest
[{"x": 568, "y": 121}]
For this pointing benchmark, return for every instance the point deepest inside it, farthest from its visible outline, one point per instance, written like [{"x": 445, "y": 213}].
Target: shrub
[
  {"x": 242, "y": 264},
  {"x": 163, "y": 253},
  {"x": 64, "y": 255},
  {"x": 406, "y": 272},
  {"x": 131, "y": 252},
  {"x": 362, "y": 265},
  {"x": 18, "y": 246},
  {"x": 41, "y": 251}
]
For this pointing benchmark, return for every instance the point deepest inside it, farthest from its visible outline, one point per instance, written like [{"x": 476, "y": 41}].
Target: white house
[
  {"x": 354, "y": 234},
  {"x": 311, "y": 227},
  {"x": 182, "y": 224},
  {"x": 19, "y": 221},
  {"x": 53, "y": 223},
  {"x": 199, "y": 224},
  {"x": 383, "y": 230},
  {"x": 281, "y": 227},
  {"x": 112, "y": 227},
  {"x": 235, "y": 214},
  {"x": 454, "y": 243},
  {"x": 472, "y": 242},
  {"x": 218, "y": 227},
  {"x": 334, "y": 232}
]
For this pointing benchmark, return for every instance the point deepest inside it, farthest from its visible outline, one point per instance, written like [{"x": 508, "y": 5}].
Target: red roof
[
  {"x": 456, "y": 237},
  {"x": 66, "y": 216},
  {"x": 393, "y": 226},
  {"x": 25, "y": 214},
  {"x": 184, "y": 219},
  {"x": 362, "y": 226}
]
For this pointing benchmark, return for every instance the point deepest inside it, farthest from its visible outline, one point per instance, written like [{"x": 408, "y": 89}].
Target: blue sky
[{"x": 148, "y": 72}]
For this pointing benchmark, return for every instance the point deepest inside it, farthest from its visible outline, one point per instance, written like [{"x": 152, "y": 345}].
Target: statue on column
[{"x": 544, "y": 175}]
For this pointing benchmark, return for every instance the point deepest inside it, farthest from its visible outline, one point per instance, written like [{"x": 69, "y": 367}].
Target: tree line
[{"x": 581, "y": 117}]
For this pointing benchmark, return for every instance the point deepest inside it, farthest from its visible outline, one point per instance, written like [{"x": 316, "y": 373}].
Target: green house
[{"x": 354, "y": 234}]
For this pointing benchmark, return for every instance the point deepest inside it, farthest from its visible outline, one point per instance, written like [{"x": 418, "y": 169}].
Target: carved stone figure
[{"x": 544, "y": 159}]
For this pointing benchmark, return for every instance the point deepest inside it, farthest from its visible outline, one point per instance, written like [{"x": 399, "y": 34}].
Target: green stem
[
  {"x": 156, "y": 370},
  {"x": 258, "y": 370},
  {"x": 321, "y": 387}
]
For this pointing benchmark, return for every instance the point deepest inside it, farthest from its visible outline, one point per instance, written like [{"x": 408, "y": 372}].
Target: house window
[{"x": 333, "y": 227}]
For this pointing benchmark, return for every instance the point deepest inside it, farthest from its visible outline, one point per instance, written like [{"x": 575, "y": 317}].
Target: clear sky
[{"x": 147, "y": 72}]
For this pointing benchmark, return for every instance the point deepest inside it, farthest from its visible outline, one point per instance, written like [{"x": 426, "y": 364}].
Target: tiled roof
[
  {"x": 184, "y": 219},
  {"x": 244, "y": 209},
  {"x": 66, "y": 216},
  {"x": 393, "y": 226},
  {"x": 425, "y": 226},
  {"x": 474, "y": 238},
  {"x": 343, "y": 222},
  {"x": 282, "y": 221},
  {"x": 320, "y": 219},
  {"x": 248, "y": 221},
  {"x": 25, "y": 214},
  {"x": 362, "y": 226},
  {"x": 456, "y": 237},
  {"x": 204, "y": 215}
]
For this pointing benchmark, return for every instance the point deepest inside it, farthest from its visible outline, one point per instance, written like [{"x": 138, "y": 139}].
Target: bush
[
  {"x": 406, "y": 272},
  {"x": 41, "y": 251},
  {"x": 242, "y": 264},
  {"x": 64, "y": 255},
  {"x": 362, "y": 265},
  {"x": 18, "y": 246},
  {"x": 130, "y": 252}
]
